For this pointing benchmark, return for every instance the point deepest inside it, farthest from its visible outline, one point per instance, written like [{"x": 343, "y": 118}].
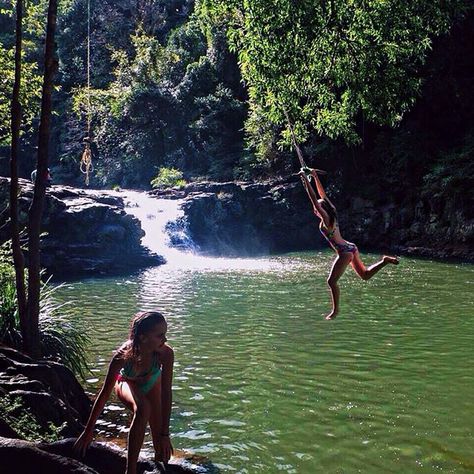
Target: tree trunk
[
  {"x": 18, "y": 257},
  {"x": 32, "y": 340}
]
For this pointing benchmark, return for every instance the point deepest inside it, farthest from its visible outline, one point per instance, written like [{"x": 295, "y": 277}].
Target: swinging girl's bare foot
[
  {"x": 393, "y": 260},
  {"x": 331, "y": 315}
]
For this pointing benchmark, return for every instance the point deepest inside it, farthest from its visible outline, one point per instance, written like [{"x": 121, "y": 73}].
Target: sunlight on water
[{"x": 263, "y": 383}]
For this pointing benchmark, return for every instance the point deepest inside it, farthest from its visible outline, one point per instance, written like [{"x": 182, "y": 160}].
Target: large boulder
[
  {"x": 248, "y": 219},
  {"x": 46, "y": 391},
  {"x": 24, "y": 457},
  {"x": 86, "y": 232}
]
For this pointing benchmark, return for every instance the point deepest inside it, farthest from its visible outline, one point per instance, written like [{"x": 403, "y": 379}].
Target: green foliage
[
  {"x": 167, "y": 106},
  {"x": 168, "y": 178},
  {"x": 30, "y": 89},
  {"x": 453, "y": 174},
  {"x": 62, "y": 339},
  {"x": 262, "y": 138},
  {"x": 325, "y": 63},
  {"x": 21, "y": 420},
  {"x": 9, "y": 331}
]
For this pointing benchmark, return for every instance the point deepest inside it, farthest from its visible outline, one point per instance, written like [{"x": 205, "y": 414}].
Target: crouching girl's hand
[
  {"x": 82, "y": 443},
  {"x": 166, "y": 449}
]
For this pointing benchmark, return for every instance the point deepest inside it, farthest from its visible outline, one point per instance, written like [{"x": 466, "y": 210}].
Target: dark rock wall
[
  {"x": 86, "y": 232},
  {"x": 250, "y": 219}
]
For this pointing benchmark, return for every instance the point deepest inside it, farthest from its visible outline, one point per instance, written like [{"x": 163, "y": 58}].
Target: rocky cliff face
[
  {"x": 249, "y": 219},
  {"x": 427, "y": 228},
  {"x": 86, "y": 232}
]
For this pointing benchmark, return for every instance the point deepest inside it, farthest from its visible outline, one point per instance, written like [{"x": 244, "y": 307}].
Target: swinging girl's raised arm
[
  {"x": 317, "y": 208},
  {"x": 319, "y": 186},
  {"x": 85, "y": 438}
]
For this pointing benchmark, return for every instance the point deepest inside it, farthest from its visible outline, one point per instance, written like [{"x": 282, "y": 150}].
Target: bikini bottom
[{"x": 346, "y": 248}]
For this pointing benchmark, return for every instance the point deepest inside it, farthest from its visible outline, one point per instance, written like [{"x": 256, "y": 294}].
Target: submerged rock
[{"x": 86, "y": 232}]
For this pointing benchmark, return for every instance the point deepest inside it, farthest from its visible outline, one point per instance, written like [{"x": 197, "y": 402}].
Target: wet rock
[
  {"x": 19, "y": 457},
  {"x": 48, "y": 390},
  {"x": 86, "y": 232},
  {"x": 23, "y": 457}
]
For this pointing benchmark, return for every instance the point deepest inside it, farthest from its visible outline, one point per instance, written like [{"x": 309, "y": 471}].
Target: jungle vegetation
[{"x": 204, "y": 87}]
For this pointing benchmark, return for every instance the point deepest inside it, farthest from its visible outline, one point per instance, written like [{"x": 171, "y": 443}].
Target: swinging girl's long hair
[
  {"x": 142, "y": 322},
  {"x": 331, "y": 211}
]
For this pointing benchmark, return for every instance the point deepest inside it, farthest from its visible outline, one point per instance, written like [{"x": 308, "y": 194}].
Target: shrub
[
  {"x": 20, "y": 419},
  {"x": 61, "y": 339},
  {"x": 168, "y": 178}
]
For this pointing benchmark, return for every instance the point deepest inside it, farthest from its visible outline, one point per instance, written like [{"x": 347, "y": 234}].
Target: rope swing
[
  {"x": 295, "y": 143},
  {"x": 86, "y": 166},
  {"x": 304, "y": 167}
]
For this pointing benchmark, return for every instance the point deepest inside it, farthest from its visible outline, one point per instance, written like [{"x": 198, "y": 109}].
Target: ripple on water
[{"x": 263, "y": 384}]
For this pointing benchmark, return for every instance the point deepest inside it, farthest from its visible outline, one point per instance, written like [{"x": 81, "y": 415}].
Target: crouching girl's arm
[{"x": 82, "y": 443}]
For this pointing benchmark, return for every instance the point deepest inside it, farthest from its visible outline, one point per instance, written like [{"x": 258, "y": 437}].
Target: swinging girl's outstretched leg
[
  {"x": 366, "y": 273},
  {"x": 338, "y": 268}
]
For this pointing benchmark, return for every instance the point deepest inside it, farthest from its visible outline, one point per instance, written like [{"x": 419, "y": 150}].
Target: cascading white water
[{"x": 155, "y": 214}]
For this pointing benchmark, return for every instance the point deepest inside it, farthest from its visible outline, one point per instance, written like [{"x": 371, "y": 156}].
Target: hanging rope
[
  {"x": 304, "y": 167},
  {"x": 86, "y": 160},
  {"x": 295, "y": 143}
]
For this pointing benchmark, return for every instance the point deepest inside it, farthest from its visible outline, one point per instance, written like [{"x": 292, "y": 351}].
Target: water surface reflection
[{"x": 264, "y": 384}]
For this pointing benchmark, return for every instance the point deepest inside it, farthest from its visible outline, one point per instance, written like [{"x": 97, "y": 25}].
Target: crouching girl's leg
[
  {"x": 140, "y": 406},
  {"x": 154, "y": 397}
]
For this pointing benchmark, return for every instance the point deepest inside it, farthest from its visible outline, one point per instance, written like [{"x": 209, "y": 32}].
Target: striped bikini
[{"x": 347, "y": 247}]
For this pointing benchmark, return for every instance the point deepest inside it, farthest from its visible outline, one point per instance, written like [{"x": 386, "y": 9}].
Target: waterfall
[{"x": 163, "y": 222}]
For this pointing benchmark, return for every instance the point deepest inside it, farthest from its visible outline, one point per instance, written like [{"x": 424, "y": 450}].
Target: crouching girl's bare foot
[
  {"x": 331, "y": 315},
  {"x": 393, "y": 260}
]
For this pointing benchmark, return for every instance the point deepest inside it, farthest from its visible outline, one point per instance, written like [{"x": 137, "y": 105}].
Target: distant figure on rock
[
  {"x": 48, "y": 177},
  {"x": 140, "y": 372},
  {"x": 347, "y": 252}
]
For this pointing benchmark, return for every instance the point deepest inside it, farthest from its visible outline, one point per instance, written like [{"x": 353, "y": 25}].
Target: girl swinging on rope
[{"x": 347, "y": 252}]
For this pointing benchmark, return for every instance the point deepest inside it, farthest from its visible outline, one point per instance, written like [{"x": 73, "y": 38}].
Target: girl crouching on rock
[{"x": 141, "y": 373}]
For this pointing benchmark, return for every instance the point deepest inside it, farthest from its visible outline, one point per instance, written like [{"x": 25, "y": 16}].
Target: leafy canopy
[{"x": 326, "y": 62}]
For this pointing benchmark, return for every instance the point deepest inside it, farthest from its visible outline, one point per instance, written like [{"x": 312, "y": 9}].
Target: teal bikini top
[{"x": 144, "y": 380}]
